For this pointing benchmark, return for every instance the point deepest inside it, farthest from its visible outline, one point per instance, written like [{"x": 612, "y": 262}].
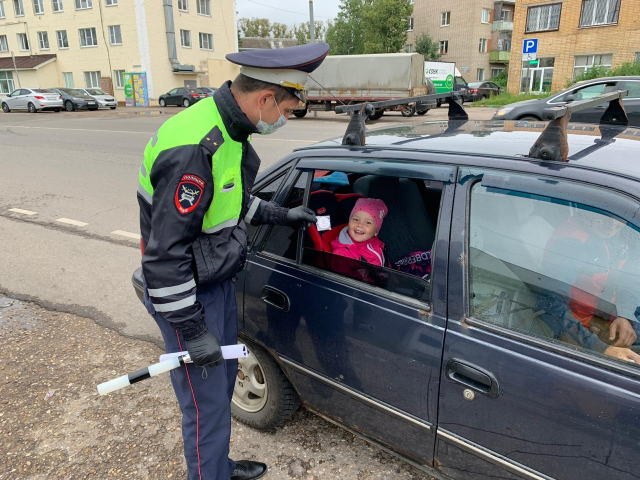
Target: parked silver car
[
  {"x": 104, "y": 99},
  {"x": 33, "y": 100}
]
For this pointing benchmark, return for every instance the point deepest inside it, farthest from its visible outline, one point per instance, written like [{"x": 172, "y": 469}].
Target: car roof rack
[
  {"x": 552, "y": 143},
  {"x": 355, "y": 134}
]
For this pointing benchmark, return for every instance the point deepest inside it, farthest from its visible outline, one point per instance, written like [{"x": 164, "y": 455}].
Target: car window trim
[{"x": 539, "y": 342}]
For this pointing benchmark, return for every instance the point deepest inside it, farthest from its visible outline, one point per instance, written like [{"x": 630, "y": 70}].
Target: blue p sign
[{"x": 530, "y": 45}]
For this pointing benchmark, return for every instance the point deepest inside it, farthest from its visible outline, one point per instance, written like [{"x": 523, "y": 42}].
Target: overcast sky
[{"x": 289, "y": 12}]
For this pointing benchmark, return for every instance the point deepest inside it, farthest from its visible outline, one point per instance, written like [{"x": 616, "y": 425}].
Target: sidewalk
[{"x": 53, "y": 424}]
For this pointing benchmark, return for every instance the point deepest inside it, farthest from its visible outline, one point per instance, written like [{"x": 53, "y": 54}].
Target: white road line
[
  {"x": 72, "y": 222},
  {"x": 135, "y": 236},
  {"x": 23, "y": 212}
]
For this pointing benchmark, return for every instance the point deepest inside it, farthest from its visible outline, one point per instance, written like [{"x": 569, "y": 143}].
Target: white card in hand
[{"x": 323, "y": 223}]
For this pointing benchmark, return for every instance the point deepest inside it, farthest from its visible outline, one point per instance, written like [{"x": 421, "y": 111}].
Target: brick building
[
  {"x": 475, "y": 34},
  {"x": 573, "y": 35},
  {"x": 92, "y": 43}
]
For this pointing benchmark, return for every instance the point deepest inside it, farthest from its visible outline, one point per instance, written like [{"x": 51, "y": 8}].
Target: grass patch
[{"x": 503, "y": 99}]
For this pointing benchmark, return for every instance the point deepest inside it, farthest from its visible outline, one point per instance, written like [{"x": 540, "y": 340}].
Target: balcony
[
  {"x": 502, "y": 26},
  {"x": 499, "y": 56}
]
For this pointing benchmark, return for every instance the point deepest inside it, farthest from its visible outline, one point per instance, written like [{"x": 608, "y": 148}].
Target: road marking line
[
  {"x": 72, "y": 222},
  {"x": 23, "y": 212},
  {"x": 135, "y": 236}
]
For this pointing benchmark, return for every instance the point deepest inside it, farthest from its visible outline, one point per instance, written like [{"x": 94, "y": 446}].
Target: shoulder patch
[
  {"x": 213, "y": 140},
  {"x": 188, "y": 193}
]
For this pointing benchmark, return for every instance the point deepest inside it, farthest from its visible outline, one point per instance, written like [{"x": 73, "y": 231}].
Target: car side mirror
[{"x": 569, "y": 98}]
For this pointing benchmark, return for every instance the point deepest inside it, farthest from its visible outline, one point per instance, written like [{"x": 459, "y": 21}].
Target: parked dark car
[
  {"x": 484, "y": 350},
  {"x": 181, "y": 97},
  {"x": 532, "y": 109},
  {"x": 76, "y": 99},
  {"x": 208, "y": 90},
  {"x": 482, "y": 90}
]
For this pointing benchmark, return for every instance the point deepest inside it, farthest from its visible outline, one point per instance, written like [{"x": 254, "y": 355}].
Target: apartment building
[
  {"x": 475, "y": 34},
  {"x": 93, "y": 43},
  {"x": 572, "y": 35}
]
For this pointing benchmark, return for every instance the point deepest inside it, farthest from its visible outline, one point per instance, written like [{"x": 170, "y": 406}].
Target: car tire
[
  {"x": 57, "y": 110},
  {"x": 69, "y": 106},
  {"x": 163, "y": 102},
  {"x": 112, "y": 108},
  {"x": 408, "y": 111},
  {"x": 5, "y": 108},
  {"x": 529, "y": 118},
  {"x": 31, "y": 108},
  {"x": 438, "y": 103},
  {"x": 186, "y": 103},
  {"x": 483, "y": 97},
  {"x": 278, "y": 400},
  {"x": 300, "y": 113}
]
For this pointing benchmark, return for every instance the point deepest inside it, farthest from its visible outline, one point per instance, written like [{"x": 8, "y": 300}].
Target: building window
[
  {"x": 505, "y": 16},
  {"x": 38, "y": 7},
  {"x": 57, "y": 5},
  {"x": 599, "y": 12},
  {"x": 67, "y": 77},
  {"x": 206, "y": 41},
  {"x": 445, "y": 19},
  {"x": 88, "y": 37},
  {"x": 23, "y": 41},
  {"x": 115, "y": 35},
  {"x": 119, "y": 74},
  {"x": 496, "y": 71},
  {"x": 410, "y": 26},
  {"x": 546, "y": 17},
  {"x": 444, "y": 47},
  {"x": 409, "y": 48},
  {"x": 412, "y": 2},
  {"x": 43, "y": 40},
  {"x": 92, "y": 79},
  {"x": 485, "y": 15},
  {"x": 538, "y": 78},
  {"x": 2, "y": 14},
  {"x": 480, "y": 76},
  {"x": 185, "y": 38},
  {"x": 482, "y": 45},
  {"x": 6, "y": 82},
  {"x": 18, "y": 8},
  {"x": 204, "y": 7},
  {"x": 111, "y": 3},
  {"x": 4, "y": 45},
  {"x": 84, "y": 4},
  {"x": 63, "y": 41},
  {"x": 183, "y": 5},
  {"x": 585, "y": 62}
]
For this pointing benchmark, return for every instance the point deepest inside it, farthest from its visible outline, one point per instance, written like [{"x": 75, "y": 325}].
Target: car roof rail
[
  {"x": 552, "y": 143},
  {"x": 356, "y": 130}
]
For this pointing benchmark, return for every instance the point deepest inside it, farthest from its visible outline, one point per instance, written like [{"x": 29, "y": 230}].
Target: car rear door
[
  {"x": 359, "y": 354},
  {"x": 632, "y": 100},
  {"x": 525, "y": 392}
]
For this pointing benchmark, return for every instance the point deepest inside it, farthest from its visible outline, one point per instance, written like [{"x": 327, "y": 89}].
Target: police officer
[{"x": 195, "y": 200}]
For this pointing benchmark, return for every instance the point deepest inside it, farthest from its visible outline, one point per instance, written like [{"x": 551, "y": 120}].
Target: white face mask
[{"x": 266, "y": 128}]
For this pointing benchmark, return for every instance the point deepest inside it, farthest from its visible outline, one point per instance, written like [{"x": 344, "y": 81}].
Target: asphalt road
[{"x": 68, "y": 210}]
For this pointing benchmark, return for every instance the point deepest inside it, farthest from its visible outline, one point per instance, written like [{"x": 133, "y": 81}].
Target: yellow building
[
  {"x": 92, "y": 43},
  {"x": 573, "y": 35}
]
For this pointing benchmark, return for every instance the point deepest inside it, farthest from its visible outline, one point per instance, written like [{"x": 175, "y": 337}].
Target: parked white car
[
  {"x": 104, "y": 99},
  {"x": 33, "y": 100}
]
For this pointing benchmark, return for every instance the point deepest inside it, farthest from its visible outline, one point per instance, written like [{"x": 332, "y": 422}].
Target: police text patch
[{"x": 188, "y": 193}]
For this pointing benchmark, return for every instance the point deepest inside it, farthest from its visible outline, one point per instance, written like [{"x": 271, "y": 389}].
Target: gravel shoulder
[{"x": 53, "y": 424}]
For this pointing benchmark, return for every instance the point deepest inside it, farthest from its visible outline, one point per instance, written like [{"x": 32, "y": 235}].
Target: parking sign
[{"x": 530, "y": 45}]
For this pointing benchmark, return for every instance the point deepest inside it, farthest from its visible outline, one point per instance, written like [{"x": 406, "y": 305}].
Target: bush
[
  {"x": 503, "y": 99},
  {"x": 501, "y": 79},
  {"x": 598, "y": 71}
]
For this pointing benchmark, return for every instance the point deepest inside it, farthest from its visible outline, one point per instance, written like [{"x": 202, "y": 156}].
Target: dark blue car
[{"x": 513, "y": 354}]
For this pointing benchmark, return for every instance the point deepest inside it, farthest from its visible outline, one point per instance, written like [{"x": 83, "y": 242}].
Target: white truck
[{"x": 350, "y": 79}]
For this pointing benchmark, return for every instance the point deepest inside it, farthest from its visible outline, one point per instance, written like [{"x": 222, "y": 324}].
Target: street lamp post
[{"x": 312, "y": 25}]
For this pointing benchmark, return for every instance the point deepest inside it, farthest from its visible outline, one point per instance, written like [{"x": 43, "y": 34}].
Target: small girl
[{"x": 359, "y": 239}]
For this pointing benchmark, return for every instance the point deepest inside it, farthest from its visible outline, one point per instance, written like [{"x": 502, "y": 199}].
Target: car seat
[{"x": 324, "y": 203}]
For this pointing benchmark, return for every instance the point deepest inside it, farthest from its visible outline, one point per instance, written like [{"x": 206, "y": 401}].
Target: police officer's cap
[{"x": 287, "y": 67}]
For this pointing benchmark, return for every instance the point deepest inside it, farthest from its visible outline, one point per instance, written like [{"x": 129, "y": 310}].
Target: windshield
[
  {"x": 474, "y": 84},
  {"x": 95, "y": 91},
  {"x": 461, "y": 80},
  {"x": 72, "y": 91}
]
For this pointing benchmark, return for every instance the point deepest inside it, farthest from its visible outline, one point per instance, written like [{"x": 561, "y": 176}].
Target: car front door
[
  {"x": 365, "y": 356},
  {"x": 592, "y": 114},
  {"x": 530, "y": 384},
  {"x": 13, "y": 99},
  {"x": 172, "y": 97}
]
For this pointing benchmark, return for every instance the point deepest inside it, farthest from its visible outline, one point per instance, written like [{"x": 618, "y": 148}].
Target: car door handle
[
  {"x": 473, "y": 377},
  {"x": 275, "y": 298}
]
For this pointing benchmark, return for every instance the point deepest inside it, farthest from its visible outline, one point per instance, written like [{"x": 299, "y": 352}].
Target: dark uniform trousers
[{"x": 204, "y": 394}]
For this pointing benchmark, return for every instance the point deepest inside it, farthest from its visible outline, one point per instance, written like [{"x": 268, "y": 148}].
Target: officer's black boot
[{"x": 247, "y": 470}]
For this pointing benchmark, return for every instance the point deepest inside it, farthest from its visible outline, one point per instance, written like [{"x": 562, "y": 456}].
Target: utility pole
[
  {"x": 16, "y": 69},
  {"x": 312, "y": 25}
]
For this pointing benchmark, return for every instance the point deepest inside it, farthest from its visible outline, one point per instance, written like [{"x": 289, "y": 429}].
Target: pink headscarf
[{"x": 374, "y": 207}]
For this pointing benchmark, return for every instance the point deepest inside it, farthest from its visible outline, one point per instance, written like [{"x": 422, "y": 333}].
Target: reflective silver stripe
[
  {"x": 143, "y": 170},
  {"x": 144, "y": 194},
  {"x": 173, "y": 306},
  {"x": 252, "y": 210},
  {"x": 221, "y": 226},
  {"x": 165, "y": 292}
]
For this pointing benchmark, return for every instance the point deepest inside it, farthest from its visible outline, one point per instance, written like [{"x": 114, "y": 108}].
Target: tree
[
  {"x": 386, "y": 25},
  {"x": 428, "y": 47},
  {"x": 302, "y": 32},
  {"x": 255, "y": 27},
  {"x": 346, "y": 34},
  {"x": 280, "y": 30}
]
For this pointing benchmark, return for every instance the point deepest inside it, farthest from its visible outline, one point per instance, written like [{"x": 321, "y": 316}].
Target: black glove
[
  {"x": 205, "y": 350},
  {"x": 300, "y": 216}
]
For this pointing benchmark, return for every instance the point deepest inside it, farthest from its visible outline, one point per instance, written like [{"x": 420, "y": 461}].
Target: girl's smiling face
[{"x": 361, "y": 226}]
